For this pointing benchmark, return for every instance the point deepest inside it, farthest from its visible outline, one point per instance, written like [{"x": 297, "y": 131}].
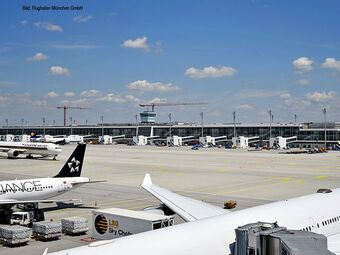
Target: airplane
[
  {"x": 14, "y": 149},
  {"x": 43, "y": 189},
  {"x": 210, "y": 229},
  {"x": 60, "y": 139}
]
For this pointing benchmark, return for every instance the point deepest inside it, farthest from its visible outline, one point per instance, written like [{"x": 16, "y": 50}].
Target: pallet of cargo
[
  {"x": 46, "y": 230},
  {"x": 14, "y": 235},
  {"x": 74, "y": 225}
]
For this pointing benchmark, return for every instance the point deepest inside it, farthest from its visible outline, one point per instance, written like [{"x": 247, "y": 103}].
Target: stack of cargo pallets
[
  {"x": 14, "y": 235},
  {"x": 47, "y": 230},
  {"x": 74, "y": 225}
]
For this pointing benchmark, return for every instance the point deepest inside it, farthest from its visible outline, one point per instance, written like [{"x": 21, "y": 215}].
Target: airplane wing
[
  {"x": 333, "y": 243},
  {"x": 187, "y": 208},
  {"x": 14, "y": 201}
]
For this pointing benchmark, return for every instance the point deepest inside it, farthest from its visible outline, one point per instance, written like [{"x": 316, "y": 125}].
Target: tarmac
[{"x": 213, "y": 175}]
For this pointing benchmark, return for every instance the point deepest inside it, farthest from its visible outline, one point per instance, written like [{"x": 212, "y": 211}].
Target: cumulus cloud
[
  {"x": 48, "y": 26},
  {"x": 303, "y": 64},
  {"x": 116, "y": 98},
  {"x": 139, "y": 43},
  {"x": 51, "y": 94},
  {"x": 59, "y": 70},
  {"x": 90, "y": 93},
  {"x": 82, "y": 19},
  {"x": 210, "y": 72},
  {"x": 69, "y": 94},
  {"x": 244, "y": 107},
  {"x": 302, "y": 82},
  {"x": 144, "y": 85},
  {"x": 331, "y": 63},
  {"x": 321, "y": 96},
  {"x": 38, "y": 57}
]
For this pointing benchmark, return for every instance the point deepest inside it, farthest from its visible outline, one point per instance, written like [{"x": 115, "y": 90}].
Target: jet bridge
[
  {"x": 178, "y": 140},
  {"x": 207, "y": 140},
  {"x": 143, "y": 140},
  {"x": 7, "y": 138},
  {"x": 281, "y": 142},
  {"x": 269, "y": 239},
  {"x": 244, "y": 142}
]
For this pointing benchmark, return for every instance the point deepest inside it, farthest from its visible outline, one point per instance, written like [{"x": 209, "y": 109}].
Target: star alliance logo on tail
[{"x": 74, "y": 165}]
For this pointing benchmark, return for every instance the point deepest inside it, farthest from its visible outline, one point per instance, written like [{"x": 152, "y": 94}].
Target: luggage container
[{"x": 114, "y": 222}]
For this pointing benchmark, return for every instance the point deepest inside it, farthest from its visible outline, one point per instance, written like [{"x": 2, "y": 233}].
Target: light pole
[
  {"x": 44, "y": 121},
  {"x": 22, "y": 126},
  {"x": 102, "y": 118},
  {"x": 295, "y": 118},
  {"x": 170, "y": 123},
  {"x": 71, "y": 124},
  {"x": 324, "y": 116},
  {"x": 270, "y": 123},
  {"x": 136, "y": 117},
  {"x": 6, "y": 126},
  {"x": 202, "y": 119},
  {"x": 234, "y": 120}
]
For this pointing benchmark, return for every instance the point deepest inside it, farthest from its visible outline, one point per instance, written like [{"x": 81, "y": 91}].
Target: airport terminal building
[{"x": 308, "y": 134}]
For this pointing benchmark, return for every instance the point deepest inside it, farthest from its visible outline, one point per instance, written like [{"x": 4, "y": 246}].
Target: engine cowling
[{"x": 13, "y": 153}]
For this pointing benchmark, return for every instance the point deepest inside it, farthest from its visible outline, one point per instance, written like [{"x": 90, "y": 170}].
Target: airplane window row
[
  {"x": 28, "y": 189},
  {"x": 324, "y": 223}
]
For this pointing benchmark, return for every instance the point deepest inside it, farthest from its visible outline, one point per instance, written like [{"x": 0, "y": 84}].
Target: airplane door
[{"x": 61, "y": 187}]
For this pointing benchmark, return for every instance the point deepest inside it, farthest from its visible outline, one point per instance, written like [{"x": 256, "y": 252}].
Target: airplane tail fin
[{"x": 74, "y": 164}]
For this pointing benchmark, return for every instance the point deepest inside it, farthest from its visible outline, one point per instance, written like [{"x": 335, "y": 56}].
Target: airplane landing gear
[
  {"x": 55, "y": 157},
  {"x": 29, "y": 156}
]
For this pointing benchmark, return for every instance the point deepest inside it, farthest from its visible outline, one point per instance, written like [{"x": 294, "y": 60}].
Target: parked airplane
[
  {"x": 14, "y": 149},
  {"x": 210, "y": 229},
  {"x": 60, "y": 139},
  {"x": 43, "y": 189}
]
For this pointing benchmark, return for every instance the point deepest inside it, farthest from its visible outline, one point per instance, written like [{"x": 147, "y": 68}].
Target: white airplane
[
  {"x": 14, "y": 149},
  {"x": 210, "y": 230},
  {"x": 61, "y": 139},
  {"x": 37, "y": 190}
]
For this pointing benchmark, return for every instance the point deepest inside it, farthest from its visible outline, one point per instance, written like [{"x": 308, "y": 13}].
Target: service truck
[{"x": 115, "y": 222}]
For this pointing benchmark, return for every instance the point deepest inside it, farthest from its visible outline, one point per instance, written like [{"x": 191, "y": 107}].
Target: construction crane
[
  {"x": 66, "y": 107},
  {"x": 150, "y": 116}
]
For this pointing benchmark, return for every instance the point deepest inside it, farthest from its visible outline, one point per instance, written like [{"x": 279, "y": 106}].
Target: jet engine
[{"x": 13, "y": 154}]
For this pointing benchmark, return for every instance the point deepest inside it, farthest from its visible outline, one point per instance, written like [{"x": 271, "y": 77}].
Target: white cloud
[
  {"x": 157, "y": 100},
  {"x": 321, "y": 96},
  {"x": 69, "y": 94},
  {"x": 303, "y": 64},
  {"x": 244, "y": 107},
  {"x": 38, "y": 57},
  {"x": 90, "y": 93},
  {"x": 144, "y": 85},
  {"x": 285, "y": 95},
  {"x": 112, "y": 97},
  {"x": 252, "y": 93},
  {"x": 24, "y": 23},
  {"x": 139, "y": 43},
  {"x": 51, "y": 94},
  {"x": 82, "y": 19},
  {"x": 59, "y": 70},
  {"x": 39, "y": 103},
  {"x": 331, "y": 63},
  {"x": 302, "y": 82},
  {"x": 48, "y": 26},
  {"x": 210, "y": 72}
]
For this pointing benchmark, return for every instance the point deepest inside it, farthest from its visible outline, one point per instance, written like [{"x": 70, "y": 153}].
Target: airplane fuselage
[
  {"x": 44, "y": 149},
  {"x": 318, "y": 213},
  {"x": 37, "y": 189}
]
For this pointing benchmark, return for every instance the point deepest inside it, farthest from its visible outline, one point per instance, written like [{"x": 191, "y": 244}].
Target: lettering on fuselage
[{"x": 24, "y": 186}]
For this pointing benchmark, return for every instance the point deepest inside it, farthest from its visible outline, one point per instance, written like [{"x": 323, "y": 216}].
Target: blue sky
[{"x": 243, "y": 56}]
